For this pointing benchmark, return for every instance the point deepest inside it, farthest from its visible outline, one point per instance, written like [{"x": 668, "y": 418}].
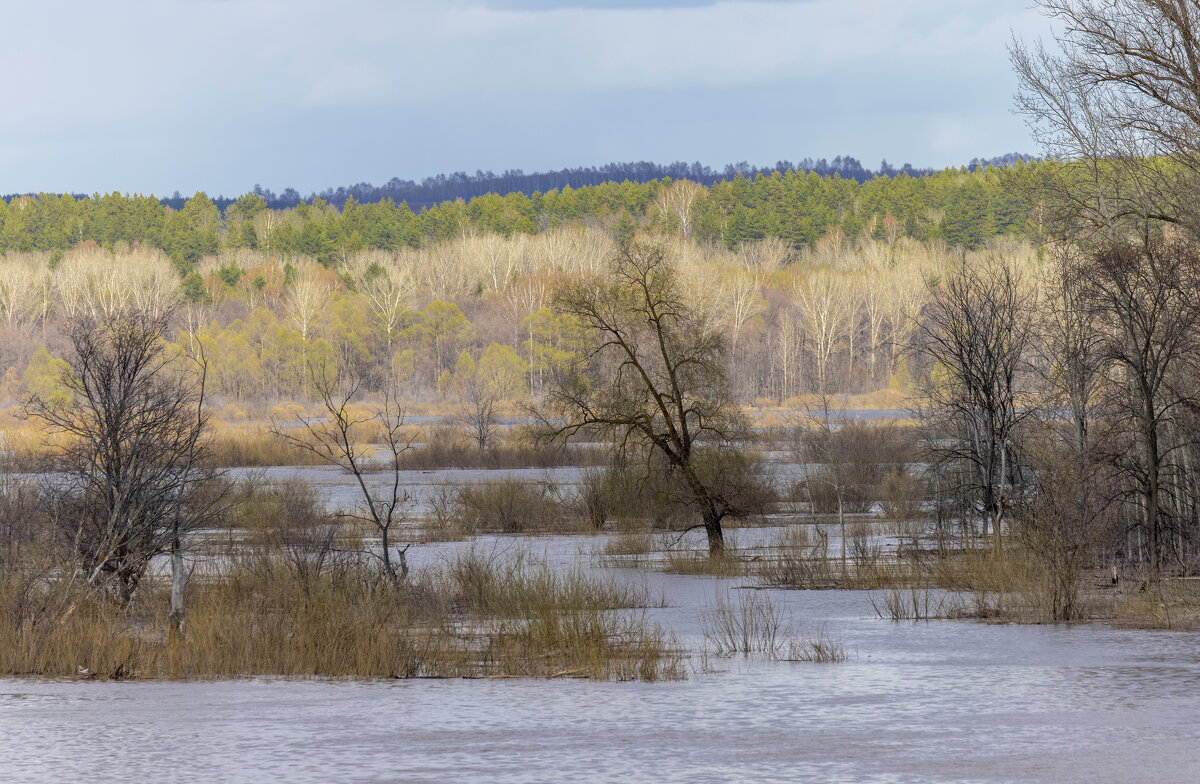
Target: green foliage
[
  {"x": 501, "y": 372},
  {"x": 799, "y": 207},
  {"x": 193, "y": 288},
  {"x": 43, "y": 378}
]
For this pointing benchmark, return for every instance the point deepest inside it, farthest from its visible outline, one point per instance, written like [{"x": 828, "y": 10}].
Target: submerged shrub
[{"x": 510, "y": 506}]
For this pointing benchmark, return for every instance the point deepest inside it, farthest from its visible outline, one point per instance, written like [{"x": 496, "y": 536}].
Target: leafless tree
[
  {"x": 1146, "y": 299},
  {"x": 654, "y": 377},
  {"x": 789, "y": 339},
  {"x": 477, "y": 410},
  {"x": 973, "y": 337},
  {"x": 388, "y": 287},
  {"x": 1067, "y": 513},
  {"x": 132, "y": 438},
  {"x": 1117, "y": 97},
  {"x": 677, "y": 201},
  {"x": 338, "y": 439},
  {"x": 307, "y": 298},
  {"x": 828, "y": 311}
]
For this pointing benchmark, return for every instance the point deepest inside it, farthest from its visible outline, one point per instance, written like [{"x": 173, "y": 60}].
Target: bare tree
[
  {"x": 477, "y": 409},
  {"x": 654, "y": 377},
  {"x": 132, "y": 439},
  {"x": 308, "y": 296},
  {"x": 1118, "y": 97},
  {"x": 1144, "y": 297},
  {"x": 742, "y": 293},
  {"x": 677, "y": 201},
  {"x": 388, "y": 287},
  {"x": 19, "y": 283},
  {"x": 337, "y": 439},
  {"x": 789, "y": 338},
  {"x": 974, "y": 337},
  {"x": 828, "y": 311},
  {"x": 1072, "y": 489}
]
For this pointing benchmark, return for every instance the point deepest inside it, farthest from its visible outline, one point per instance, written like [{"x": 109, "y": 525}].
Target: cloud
[
  {"x": 223, "y": 93},
  {"x": 607, "y": 5}
]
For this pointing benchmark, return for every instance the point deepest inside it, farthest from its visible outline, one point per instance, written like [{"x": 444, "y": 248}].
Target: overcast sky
[{"x": 154, "y": 96}]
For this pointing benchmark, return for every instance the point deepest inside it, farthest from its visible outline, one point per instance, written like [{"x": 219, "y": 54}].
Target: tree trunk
[
  {"x": 842, "y": 527},
  {"x": 712, "y": 527},
  {"x": 179, "y": 579},
  {"x": 1153, "y": 469},
  {"x": 397, "y": 572}
]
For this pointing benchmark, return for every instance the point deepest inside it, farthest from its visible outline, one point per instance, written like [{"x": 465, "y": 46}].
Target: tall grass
[
  {"x": 507, "y": 506},
  {"x": 259, "y": 615},
  {"x": 445, "y": 446},
  {"x": 255, "y": 447},
  {"x": 753, "y": 625}
]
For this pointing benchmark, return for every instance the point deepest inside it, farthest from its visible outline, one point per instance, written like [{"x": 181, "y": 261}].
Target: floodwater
[{"x": 938, "y": 701}]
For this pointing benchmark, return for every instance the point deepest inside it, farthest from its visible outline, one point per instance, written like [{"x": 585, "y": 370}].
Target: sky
[{"x": 155, "y": 96}]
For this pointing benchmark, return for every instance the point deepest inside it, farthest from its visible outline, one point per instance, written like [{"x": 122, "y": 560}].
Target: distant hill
[{"x": 460, "y": 185}]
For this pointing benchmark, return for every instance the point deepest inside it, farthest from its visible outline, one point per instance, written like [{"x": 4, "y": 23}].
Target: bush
[
  {"x": 449, "y": 447},
  {"x": 857, "y": 463},
  {"x": 634, "y": 498},
  {"x": 510, "y": 506}
]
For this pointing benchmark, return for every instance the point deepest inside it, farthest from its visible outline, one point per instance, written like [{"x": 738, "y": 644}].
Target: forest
[
  {"x": 399, "y": 294},
  {"x": 432, "y": 191}
]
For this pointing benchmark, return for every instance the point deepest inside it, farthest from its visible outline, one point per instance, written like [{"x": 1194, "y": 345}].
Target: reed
[
  {"x": 445, "y": 446},
  {"x": 259, "y": 615},
  {"x": 506, "y": 506},
  {"x": 749, "y": 625},
  {"x": 255, "y": 447}
]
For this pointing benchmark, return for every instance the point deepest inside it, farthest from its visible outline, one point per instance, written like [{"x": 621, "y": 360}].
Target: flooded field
[{"x": 937, "y": 701}]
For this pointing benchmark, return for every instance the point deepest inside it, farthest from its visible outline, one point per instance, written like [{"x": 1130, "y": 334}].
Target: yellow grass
[{"x": 262, "y": 616}]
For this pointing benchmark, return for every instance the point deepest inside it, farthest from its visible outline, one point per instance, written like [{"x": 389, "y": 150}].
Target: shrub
[{"x": 510, "y": 506}]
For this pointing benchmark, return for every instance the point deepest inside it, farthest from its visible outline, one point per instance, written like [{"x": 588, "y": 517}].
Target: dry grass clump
[
  {"x": 1012, "y": 585},
  {"x": 630, "y": 543},
  {"x": 260, "y": 615},
  {"x": 798, "y": 559},
  {"x": 511, "y": 585},
  {"x": 507, "y": 506},
  {"x": 750, "y": 625},
  {"x": 254, "y": 447},
  {"x": 820, "y": 649},
  {"x": 1004, "y": 585},
  {"x": 918, "y": 604},
  {"x": 801, "y": 557},
  {"x": 1171, "y": 604},
  {"x": 587, "y": 644},
  {"x": 445, "y": 446},
  {"x": 753, "y": 625},
  {"x": 700, "y": 562}
]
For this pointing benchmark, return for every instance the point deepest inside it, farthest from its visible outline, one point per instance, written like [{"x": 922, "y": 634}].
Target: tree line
[
  {"x": 960, "y": 206},
  {"x": 435, "y": 320}
]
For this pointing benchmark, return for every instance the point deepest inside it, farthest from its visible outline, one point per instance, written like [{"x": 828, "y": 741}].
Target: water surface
[{"x": 943, "y": 701}]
